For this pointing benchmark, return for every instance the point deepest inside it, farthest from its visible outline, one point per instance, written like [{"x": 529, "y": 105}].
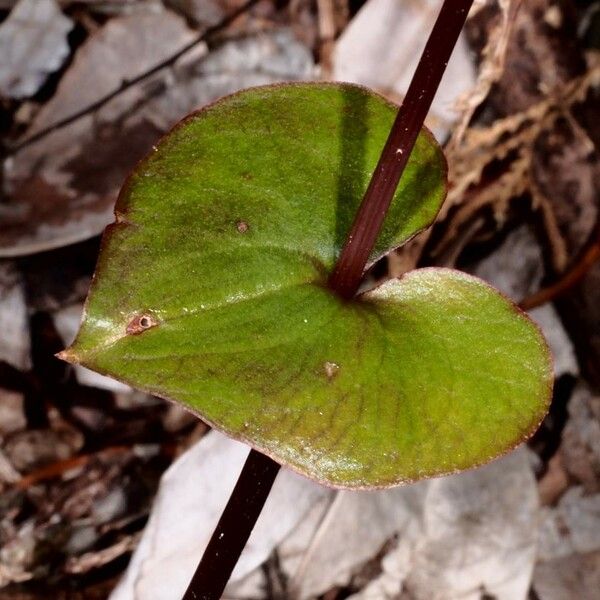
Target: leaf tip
[{"x": 67, "y": 355}]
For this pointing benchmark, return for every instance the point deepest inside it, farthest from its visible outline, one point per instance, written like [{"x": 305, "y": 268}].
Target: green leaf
[{"x": 211, "y": 290}]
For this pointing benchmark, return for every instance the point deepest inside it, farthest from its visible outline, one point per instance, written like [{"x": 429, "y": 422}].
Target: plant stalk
[
  {"x": 348, "y": 271},
  {"x": 259, "y": 472},
  {"x": 234, "y": 528}
]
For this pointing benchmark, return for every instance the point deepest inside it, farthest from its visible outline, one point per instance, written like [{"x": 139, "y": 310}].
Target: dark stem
[
  {"x": 233, "y": 530},
  {"x": 259, "y": 472},
  {"x": 348, "y": 271}
]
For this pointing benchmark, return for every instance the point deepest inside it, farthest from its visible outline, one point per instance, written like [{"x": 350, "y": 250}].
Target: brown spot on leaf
[
  {"x": 141, "y": 323},
  {"x": 331, "y": 369},
  {"x": 242, "y": 226}
]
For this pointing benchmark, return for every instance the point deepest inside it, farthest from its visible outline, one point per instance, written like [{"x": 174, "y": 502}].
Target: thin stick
[
  {"x": 572, "y": 276},
  {"x": 125, "y": 85},
  {"x": 259, "y": 472},
  {"x": 348, "y": 272}
]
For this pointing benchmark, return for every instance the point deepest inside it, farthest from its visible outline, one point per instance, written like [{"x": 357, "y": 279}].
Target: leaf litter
[
  {"x": 33, "y": 44},
  {"x": 62, "y": 189},
  {"x": 15, "y": 348},
  {"x": 489, "y": 514}
]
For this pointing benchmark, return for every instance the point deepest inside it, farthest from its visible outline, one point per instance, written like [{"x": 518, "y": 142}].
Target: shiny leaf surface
[{"x": 211, "y": 291}]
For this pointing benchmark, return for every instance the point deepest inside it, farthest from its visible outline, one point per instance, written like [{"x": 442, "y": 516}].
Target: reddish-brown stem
[
  {"x": 348, "y": 272},
  {"x": 259, "y": 472}
]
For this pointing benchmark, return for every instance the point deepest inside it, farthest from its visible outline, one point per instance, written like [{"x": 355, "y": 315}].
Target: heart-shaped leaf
[{"x": 211, "y": 290}]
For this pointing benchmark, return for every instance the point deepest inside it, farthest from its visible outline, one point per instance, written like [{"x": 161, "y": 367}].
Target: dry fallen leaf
[
  {"x": 14, "y": 325},
  {"x": 476, "y": 536},
  {"x": 12, "y": 413},
  {"x": 353, "y": 529},
  {"x": 33, "y": 44},
  {"x": 372, "y": 51},
  {"x": 190, "y": 499},
  {"x": 572, "y": 527},
  {"x": 580, "y": 448},
  {"x": 575, "y": 577},
  {"x": 206, "y": 12},
  {"x": 323, "y": 538},
  {"x": 62, "y": 189}
]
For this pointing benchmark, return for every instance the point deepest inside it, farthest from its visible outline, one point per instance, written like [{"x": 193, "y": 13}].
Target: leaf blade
[{"x": 210, "y": 290}]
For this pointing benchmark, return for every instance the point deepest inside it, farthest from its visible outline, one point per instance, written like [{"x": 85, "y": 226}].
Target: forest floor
[{"x": 86, "y": 88}]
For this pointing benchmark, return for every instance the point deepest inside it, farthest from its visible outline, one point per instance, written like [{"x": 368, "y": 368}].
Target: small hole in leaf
[
  {"x": 242, "y": 226},
  {"x": 140, "y": 323}
]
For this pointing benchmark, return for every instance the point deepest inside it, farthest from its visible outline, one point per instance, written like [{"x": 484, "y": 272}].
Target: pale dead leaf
[
  {"x": 572, "y": 527},
  {"x": 62, "y": 189},
  {"x": 12, "y": 413},
  {"x": 8, "y": 474},
  {"x": 207, "y": 12},
  {"x": 337, "y": 538},
  {"x": 33, "y": 44},
  {"x": 112, "y": 7},
  {"x": 381, "y": 46},
  {"x": 580, "y": 448},
  {"x": 191, "y": 497},
  {"x": 353, "y": 530},
  {"x": 14, "y": 323},
  {"x": 477, "y": 534},
  {"x": 322, "y": 542},
  {"x": 12, "y": 569},
  {"x": 554, "y": 482},
  {"x": 575, "y": 577}
]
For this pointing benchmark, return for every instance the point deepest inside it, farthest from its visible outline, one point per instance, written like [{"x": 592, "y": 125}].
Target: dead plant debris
[{"x": 86, "y": 89}]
